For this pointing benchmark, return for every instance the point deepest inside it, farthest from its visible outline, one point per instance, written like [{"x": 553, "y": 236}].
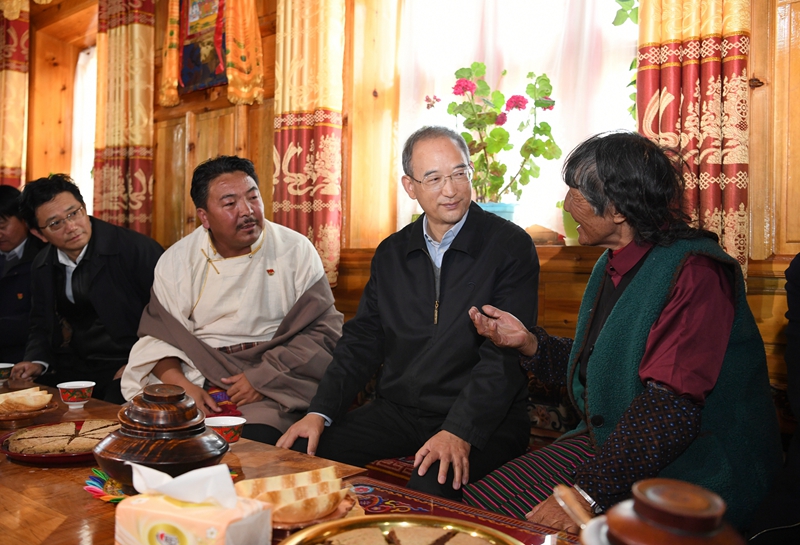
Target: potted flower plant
[{"x": 485, "y": 113}]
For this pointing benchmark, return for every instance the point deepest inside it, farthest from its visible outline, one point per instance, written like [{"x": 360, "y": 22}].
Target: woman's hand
[{"x": 504, "y": 329}]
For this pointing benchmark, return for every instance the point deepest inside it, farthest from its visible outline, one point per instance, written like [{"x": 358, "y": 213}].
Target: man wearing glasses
[
  {"x": 89, "y": 287},
  {"x": 444, "y": 395}
]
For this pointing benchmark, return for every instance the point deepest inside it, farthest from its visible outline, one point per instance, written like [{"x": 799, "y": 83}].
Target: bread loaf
[
  {"x": 297, "y": 497},
  {"x": 27, "y": 400}
]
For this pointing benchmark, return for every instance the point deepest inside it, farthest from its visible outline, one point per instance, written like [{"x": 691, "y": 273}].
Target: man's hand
[
  {"x": 119, "y": 372},
  {"x": 310, "y": 427},
  {"x": 241, "y": 391},
  {"x": 202, "y": 399},
  {"x": 26, "y": 370},
  {"x": 447, "y": 449},
  {"x": 550, "y": 513},
  {"x": 504, "y": 329},
  {"x": 168, "y": 371}
]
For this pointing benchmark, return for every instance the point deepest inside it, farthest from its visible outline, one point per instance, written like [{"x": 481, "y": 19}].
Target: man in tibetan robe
[{"x": 241, "y": 313}]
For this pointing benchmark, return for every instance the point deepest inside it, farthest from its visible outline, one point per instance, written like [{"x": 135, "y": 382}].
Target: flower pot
[
  {"x": 503, "y": 209},
  {"x": 570, "y": 226}
]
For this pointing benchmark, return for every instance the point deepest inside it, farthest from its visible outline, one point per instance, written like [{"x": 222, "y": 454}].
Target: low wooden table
[{"x": 47, "y": 505}]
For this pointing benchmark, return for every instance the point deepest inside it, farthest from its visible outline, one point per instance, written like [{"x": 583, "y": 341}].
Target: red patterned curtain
[
  {"x": 14, "y": 25},
  {"x": 309, "y": 60},
  {"x": 123, "y": 165},
  {"x": 693, "y": 96}
]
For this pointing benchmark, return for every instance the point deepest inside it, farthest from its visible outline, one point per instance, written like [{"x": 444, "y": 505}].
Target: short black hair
[
  {"x": 207, "y": 171},
  {"x": 44, "y": 190},
  {"x": 9, "y": 202},
  {"x": 428, "y": 133},
  {"x": 639, "y": 179}
]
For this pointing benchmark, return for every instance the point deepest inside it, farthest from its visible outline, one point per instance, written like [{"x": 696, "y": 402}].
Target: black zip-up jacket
[
  {"x": 433, "y": 359},
  {"x": 121, "y": 263}
]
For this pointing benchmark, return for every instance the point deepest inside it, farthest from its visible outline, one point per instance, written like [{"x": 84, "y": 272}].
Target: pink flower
[
  {"x": 464, "y": 86},
  {"x": 431, "y": 102},
  {"x": 501, "y": 119},
  {"x": 551, "y": 106},
  {"x": 517, "y": 102}
]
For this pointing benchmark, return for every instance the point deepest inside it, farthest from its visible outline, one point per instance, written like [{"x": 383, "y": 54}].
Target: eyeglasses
[
  {"x": 434, "y": 182},
  {"x": 75, "y": 215}
]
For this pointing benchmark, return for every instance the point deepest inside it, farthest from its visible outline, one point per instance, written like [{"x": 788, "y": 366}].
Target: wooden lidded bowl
[
  {"x": 161, "y": 428},
  {"x": 664, "y": 512}
]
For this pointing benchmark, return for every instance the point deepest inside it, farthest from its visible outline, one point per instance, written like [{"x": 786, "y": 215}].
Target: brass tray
[{"x": 316, "y": 535}]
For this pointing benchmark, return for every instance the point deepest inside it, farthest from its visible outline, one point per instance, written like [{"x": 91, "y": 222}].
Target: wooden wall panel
[
  {"x": 761, "y": 191},
  {"x": 52, "y": 75},
  {"x": 261, "y": 131},
  {"x": 787, "y": 127},
  {"x": 371, "y": 103},
  {"x": 170, "y": 171}
]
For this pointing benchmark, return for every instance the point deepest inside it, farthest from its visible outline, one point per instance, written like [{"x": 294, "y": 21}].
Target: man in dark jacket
[
  {"x": 444, "y": 394},
  {"x": 17, "y": 250},
  {"x": 90, "y": 285}
]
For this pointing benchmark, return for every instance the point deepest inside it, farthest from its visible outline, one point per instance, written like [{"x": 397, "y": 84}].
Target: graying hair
[{"x": 427, "y": 133}]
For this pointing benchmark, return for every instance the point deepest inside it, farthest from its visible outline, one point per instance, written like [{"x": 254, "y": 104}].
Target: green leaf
[
  {"x": 531, "y": 91},
  {"x": 488, "y": 103},
  {"x": 634, "y": 15},
  {"x": 464, "y": 73},
  {"x": 535, "y": 170},
  {"x": 467, "y": 136},
  {"x": 497, "y": 169},
  {"x": 504, "y": 72},
  {"x": 530, "y": 75},
  {"x": 542, "y": 128},
  {"x": 620, "y": 18},
  {"x": 498, "y": 100},
  {"x": 626, "y": 4},
  {"x": 524, "y": 125},
  {"x": 483, "y": 88},
  {"x": 634, "y": 63},
  {"x": 478, "y": 69},
  {"x": 544, "y": 85},
  {"x": 633, "y": 97},
  {"x": 451, "y": 108},
  {"x": 500, "y": 134}
]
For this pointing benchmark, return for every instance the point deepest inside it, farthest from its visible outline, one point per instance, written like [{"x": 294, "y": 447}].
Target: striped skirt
[{"x": 516, "y": 487}]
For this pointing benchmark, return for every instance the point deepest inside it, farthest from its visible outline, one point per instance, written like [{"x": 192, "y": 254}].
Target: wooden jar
[
  {"x": 664, "y": 512},
  {"x": 161, "y": 428}
]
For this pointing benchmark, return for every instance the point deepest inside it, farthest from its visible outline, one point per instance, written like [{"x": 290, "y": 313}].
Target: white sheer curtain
[
  {"x": 83, "y": 115},
  {"x": 574, "y": 42}
]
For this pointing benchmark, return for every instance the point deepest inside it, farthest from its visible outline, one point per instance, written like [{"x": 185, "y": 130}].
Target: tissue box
[{"x": 155, "y": 519}]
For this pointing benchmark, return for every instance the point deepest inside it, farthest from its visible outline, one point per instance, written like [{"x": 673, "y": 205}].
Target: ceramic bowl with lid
[{"x": 160, "y": 428}]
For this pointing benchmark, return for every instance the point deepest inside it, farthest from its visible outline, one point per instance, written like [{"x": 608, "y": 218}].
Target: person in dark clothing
[
  {"x": 89, "y": 285},
  {"x": 17, "y": 250},
  {"x": 777, "y": 520},
  {"x": 444, "y": 393},
  {"x": 667, "y": 369}
]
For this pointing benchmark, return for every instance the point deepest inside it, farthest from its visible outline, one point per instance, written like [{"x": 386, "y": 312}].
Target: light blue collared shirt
[
  {"x": 16, "y": 252},
  {"x": 437, "y": 249}
]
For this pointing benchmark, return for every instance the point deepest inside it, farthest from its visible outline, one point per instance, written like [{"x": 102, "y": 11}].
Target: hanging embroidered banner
[{"x": 203, "y": 38}]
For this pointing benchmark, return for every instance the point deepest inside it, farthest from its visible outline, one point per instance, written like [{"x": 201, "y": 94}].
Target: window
[{"x": 573, "y": 41}]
